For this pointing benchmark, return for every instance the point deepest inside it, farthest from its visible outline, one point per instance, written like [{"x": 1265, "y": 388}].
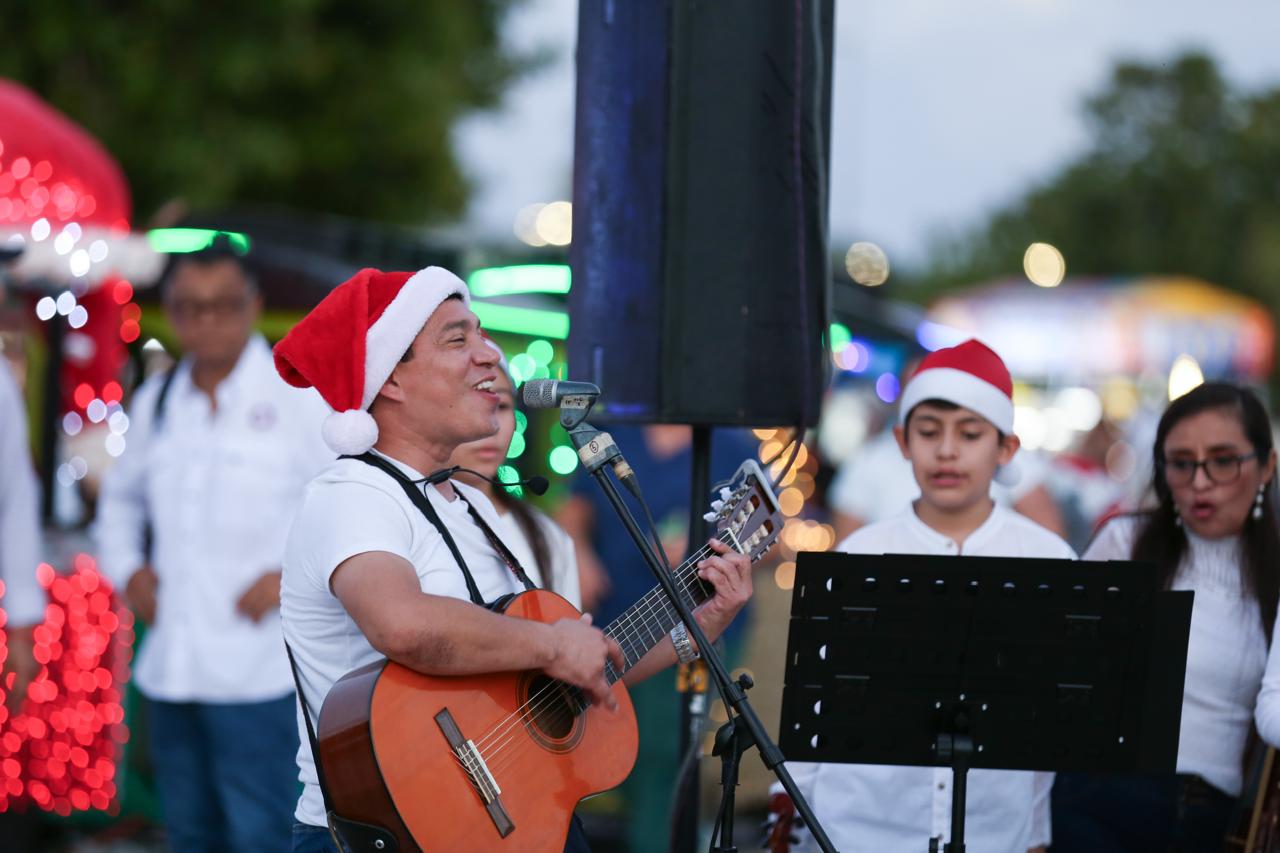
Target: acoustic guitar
[{"x": 499, "y": 761}]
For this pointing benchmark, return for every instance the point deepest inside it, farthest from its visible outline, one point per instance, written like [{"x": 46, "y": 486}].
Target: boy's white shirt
[{"x": 870, "y": 807}]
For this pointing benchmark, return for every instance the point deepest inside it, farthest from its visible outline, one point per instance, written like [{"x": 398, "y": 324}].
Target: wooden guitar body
[{"x": 489, "y": 762}]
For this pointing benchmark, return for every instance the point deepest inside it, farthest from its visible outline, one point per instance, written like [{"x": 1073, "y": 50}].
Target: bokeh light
[
  {"x": 525, "y": 226},
  {"x": 1044, "y": 265},
  {"x": 867, "y": 264},
  {"x": 554, "y": 223},
  {"x": 1184, "y": 376},
  {"x": 60, "y": 751},
  {"x": 887, "y": 388},
  {"x": 563, "y": 460}
]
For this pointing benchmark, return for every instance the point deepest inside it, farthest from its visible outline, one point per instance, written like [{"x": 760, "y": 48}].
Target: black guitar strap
[{"x": 362, "y": 836}]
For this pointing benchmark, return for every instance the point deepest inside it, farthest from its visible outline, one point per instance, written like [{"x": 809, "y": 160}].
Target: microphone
[
  {"x": 536, "y": 484},
  {"x": 550, "y": 393}
]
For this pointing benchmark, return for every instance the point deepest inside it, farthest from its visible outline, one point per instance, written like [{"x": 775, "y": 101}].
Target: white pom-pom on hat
[{"x": 350, "y": 433}]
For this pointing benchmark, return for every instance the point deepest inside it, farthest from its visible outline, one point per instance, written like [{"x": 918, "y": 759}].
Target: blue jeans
[
  {"x": 316, "y": 839},
  {"x": 226, "y": 773}
]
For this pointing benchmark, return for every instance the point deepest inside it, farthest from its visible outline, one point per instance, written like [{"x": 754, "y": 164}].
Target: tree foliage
[
  {"x": 1183, "y": 177},
  {"x": 330, "y": 106}
]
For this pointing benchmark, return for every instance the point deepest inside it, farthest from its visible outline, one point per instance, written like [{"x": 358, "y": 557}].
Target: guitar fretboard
[{"x": 644, "y": 624}]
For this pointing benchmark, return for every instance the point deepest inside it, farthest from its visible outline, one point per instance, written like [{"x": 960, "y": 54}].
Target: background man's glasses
[
  {"x": 1219, "y": 469},
  {"x": 189, "y": 310}
]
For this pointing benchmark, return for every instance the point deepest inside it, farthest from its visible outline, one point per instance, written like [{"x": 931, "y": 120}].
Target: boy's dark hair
[
  {"x": 946, "y": 406},
  {"x": 221, "y": 248}
]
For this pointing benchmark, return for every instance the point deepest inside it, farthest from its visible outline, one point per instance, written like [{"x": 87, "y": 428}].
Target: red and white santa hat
[
  {"x": 971, "y": 375},
  {"x": 347, "y": 346}
]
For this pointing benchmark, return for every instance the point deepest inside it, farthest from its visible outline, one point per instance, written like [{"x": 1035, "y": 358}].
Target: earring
[{"x": 1257, "y": 504}]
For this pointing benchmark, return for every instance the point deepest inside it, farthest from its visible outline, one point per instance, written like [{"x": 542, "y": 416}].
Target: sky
[{"x": 942, "y": 112}]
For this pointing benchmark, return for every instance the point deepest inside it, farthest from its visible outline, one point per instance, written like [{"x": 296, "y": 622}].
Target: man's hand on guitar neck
[
  {"x": 730, "y": 573},
  {"x": 581, "y": 653}
]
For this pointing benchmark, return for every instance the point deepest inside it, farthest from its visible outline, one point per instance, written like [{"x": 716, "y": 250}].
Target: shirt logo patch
[{"x": 262, "y": 416}]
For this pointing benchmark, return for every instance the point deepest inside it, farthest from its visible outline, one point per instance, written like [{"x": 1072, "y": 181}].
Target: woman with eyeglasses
[{"x": 1212, "y": 530}]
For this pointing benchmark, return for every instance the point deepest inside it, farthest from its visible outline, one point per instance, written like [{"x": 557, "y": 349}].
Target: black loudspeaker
[{"x": 701, "y": 291}]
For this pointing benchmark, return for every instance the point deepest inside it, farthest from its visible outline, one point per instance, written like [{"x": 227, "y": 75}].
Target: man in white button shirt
[
  {"x": 191, "y": 524},
  {"x": 956, "y": 430}
]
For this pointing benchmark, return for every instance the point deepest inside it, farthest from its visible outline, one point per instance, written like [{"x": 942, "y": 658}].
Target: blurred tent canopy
[
  {"x": 55, "y": 178},
  {"x": 1089, "y": 329}
]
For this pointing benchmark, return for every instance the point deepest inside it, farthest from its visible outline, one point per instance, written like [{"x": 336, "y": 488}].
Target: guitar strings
[
  {"x": 625, "y": 628},
  {"x": 685, "y": 576},
  {"x": 501, "y": 755}
]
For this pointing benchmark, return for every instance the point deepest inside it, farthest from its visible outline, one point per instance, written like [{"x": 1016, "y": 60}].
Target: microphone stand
[{"x": 743, "y": 731}]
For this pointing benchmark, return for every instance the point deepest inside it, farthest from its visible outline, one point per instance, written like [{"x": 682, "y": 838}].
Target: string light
[{"x": 61, "y": 751}]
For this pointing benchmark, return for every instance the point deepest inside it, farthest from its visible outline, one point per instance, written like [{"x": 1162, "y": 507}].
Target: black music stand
[{"x": 962, "y": 662}]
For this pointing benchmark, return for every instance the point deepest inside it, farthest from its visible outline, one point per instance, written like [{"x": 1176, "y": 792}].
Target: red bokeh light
[
  {"x": 84, "y": 395},
  {"x": 59, "y": 754}
]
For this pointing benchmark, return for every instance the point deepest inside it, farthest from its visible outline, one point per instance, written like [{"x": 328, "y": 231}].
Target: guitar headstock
[{"x": 748, "y": 509}]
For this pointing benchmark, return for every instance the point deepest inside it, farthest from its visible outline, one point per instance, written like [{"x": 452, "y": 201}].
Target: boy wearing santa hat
[
  {"x": 956, "y": 429},
  {"x": 382, "y": 561}
]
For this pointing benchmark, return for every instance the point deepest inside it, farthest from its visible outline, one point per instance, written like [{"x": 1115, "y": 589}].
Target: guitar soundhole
[{"x": 553, "y": 713}]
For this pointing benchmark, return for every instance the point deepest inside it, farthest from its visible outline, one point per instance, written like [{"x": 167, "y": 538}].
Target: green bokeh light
[
  {"x": 521, "y": 321},
  {"x": 542, "y": 351},
  {"x": 840, "y": 337},
  {"x": 182, "y": 240},
  {"x": 517, "y": 446},
  {"x": 508, "y": 474},
  {"x": 522, "y": 367},
  {"x": 523, "y": 278},
  {"x": 522, "y": 421},
  {"x": 563, "y": 460}
]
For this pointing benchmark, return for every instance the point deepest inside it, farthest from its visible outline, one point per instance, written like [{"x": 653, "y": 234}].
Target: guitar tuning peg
[
  {"x": 717, "y": 505},
  {"x": 725, "y": 494},
  {"x": 710, "y": 517}
]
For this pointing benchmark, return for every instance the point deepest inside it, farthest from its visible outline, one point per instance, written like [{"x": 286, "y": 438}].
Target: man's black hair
[{"x": 220, "y": 248}]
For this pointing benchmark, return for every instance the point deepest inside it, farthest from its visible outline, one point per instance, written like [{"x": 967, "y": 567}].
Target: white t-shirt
[
  {"x": 353, "y": 508},
  {"x": 1226, "y": 655},
  {"x": 883, "y": 807}
]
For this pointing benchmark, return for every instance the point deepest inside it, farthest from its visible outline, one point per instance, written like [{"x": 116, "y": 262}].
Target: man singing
[{"x": 367, "y": 572}]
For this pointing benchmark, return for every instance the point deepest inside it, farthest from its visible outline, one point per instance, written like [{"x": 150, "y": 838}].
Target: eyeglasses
[
  {"x": 1219, "y": 469},
  {"x": 190, "y": 310}
]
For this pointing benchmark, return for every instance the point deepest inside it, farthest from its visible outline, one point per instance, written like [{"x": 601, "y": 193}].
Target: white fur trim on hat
[
  {"x": 350, "y": 433},
  {"x": 392, "y": 333},
  {"x": 963, "y": 389}
]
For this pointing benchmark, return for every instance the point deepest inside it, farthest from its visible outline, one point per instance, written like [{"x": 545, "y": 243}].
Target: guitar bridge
[{"x": 477, "y": 771}]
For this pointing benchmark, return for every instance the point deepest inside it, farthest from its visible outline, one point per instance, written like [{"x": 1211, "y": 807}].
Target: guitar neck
[{"x": 647, "y": 622}]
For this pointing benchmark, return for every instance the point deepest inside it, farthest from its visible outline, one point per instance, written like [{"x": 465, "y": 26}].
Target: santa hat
[
  {"x": 347, "y": 346},
  {"x": 970, "y": 375}
]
